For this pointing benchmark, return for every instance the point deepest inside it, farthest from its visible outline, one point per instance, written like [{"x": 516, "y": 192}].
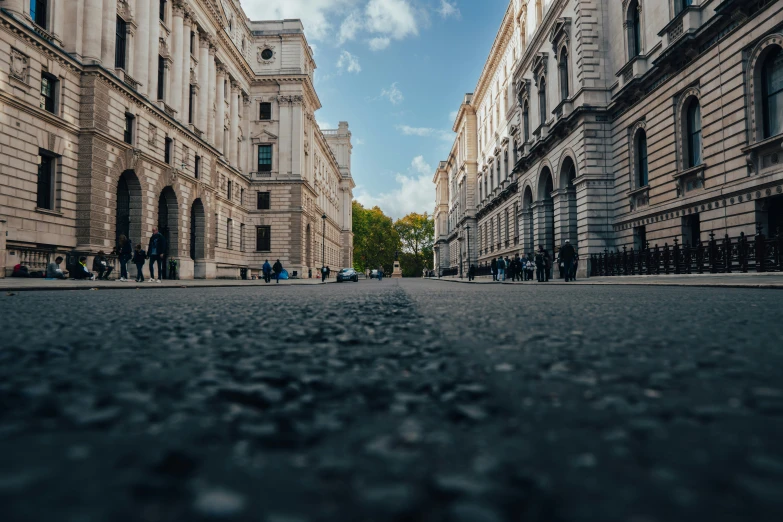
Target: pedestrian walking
[
  {"x": 278, "y": 269},
  {"x": 139, "y": 258},
  {"x": 493, "y": 266},
  {"x": 323, "y": 274},
  {"x": 540, "y": 264},
  {"x": 380, "y": 273},
  {"x": 531, "y": 267},
  {"x": 567, "y": 254},
  {"x": 124, "y": 254},
  {"x": 509, "y": 269},
  {"x": 501, "y": 270},
  {"x": 547, "y": 266},
  {"x": 266, "y": 269},
  {"x": 560, "y": 267},
  {"x": 156, "y": 250},
  {"x": 101, "y": 265},
  {"x": 523, "y": 266},
  {"x": 328, "y": 272},
  {"x": 472, "y": 273}
]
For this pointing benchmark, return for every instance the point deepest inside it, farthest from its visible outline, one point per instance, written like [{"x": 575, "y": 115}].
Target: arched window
[
  {"x": 693, "y": 134},
  {"x": 772, "y": 93},
  {"x": 542, "y": 101},
  {"x": 642, "y": 172},
  {"x": 526, "y": 122},
  {"x": 635, "y": 29},
  {"x": 563, "y": 67}
]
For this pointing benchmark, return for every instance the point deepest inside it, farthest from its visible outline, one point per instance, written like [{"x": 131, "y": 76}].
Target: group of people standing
[
  {"x": 275, "y": 269},
  {"x": 529, "y": 266},
  {"x": 156, "y": 252}
]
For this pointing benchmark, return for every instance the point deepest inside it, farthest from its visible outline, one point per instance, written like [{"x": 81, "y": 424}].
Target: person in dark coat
[
  {"x": 547, "y": 266},
  {"x": 124, "y": 254},
  {"x": 567, "y": 254},
  {"x": 472, "y": 273},
  {"x": 139, "y": 258},
  {"x": 278, "y": 269},
  {"x": 81, "y": 271},
  {"x": 540, "y": 264},
  {"x": 494, "y": 267},
  {"x": 101, "y": 265},
  {"x": 156, "y": 251},
  {"x": 267, "y": 270}
]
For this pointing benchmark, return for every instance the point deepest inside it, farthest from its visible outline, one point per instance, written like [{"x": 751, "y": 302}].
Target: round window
[{"x": 267, "y": 54}]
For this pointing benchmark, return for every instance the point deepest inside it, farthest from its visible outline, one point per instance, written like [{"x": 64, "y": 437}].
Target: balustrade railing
[{"x": 757, "y": 254}]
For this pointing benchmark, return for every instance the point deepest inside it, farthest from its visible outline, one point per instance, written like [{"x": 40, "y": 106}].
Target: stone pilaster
[
  {"x": 203, "y": 81},
  {"x": 141, "y": 47},
  {"x": 234, "y": 129},
  {"x": 177, "y": 51},
  {"x": 187, "y": 24},
  {"x": 108, "y": 33},
  {"x": 211, "y": 94},
  {"x": 93, "y": 21},
  {"x": 153, "y": 49}
]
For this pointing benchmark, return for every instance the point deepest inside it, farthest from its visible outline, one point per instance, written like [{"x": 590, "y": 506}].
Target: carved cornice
[{"x": 496, "y": 54}]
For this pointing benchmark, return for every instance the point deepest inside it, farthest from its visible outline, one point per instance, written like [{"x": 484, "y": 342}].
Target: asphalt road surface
[{"x": 395, "y": 401}]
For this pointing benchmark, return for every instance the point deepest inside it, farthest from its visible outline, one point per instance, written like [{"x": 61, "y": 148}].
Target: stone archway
[
  {"x": 567, "y": 211},
  {"x": 528, "y": 237},
  {"x": 168, "y": 224},
  {"x": 544, "y": 215},
  {"x": 198, "y": 229},
  {"x": 128, "y": 211}
]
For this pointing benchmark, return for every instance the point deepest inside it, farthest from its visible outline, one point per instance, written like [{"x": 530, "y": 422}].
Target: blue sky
[{"x": 397, "y": 71}]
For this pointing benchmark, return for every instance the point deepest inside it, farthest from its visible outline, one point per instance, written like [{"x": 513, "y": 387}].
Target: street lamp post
[{"x": 323, "y": 247}]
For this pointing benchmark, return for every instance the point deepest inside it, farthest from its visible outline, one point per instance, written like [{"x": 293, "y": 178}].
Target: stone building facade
[
  {"x": 119, "y": 116},
  {"x": 632, "y": 122}
]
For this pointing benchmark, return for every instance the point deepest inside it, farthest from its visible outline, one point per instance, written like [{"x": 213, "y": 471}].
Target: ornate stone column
[
  {"x": 109, "y": 32},
  {"x": 220, "y": 106},
  {"x": 203, "y": 81},
  {"x": 59, "y": 21},
  {"x": 141, "y": 47},
  {"x": 233, "y": 132},
  {"x": 177, "y": 50},
  {"x": 244, "y": 162},
  {"x": 153, "y": 49},
  {"x": 187, "y": 23},
  {"x": 211, "y": 110},
  {"x": 93, "y": 23}
]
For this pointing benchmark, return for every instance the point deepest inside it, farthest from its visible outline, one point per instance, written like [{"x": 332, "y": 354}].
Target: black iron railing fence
[
  {"x": 758, "y": 254},
  {"x": 449, "y": 272}
]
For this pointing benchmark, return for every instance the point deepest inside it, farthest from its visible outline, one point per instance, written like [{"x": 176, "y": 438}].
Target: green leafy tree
[
  {"x": 375, "y": 239},
  {"x": 417, "y": 235}
]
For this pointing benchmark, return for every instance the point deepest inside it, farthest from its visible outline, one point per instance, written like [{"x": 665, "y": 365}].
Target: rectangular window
[
  {"x": 228, "y": 191},
  {"x": 163, "y": 10},
  {"x": 190, "y": 104},
  {"x": 241, "y": 237},
  {"x": 197, "y": 167},
  {"x": 266, "y": 111},
  {"x": 264, "y": 200},
  {"x": 48, "y": 92},
  {"x": 241, "y": 196},
  {"x": 38, "y": 11},
  {"x": 167, "y": 151},
  {"x": 263, "y": 239},
  {"x": 264, "y": 158},
  {"x": 119, "y": 44},
  {"x": 161, "y": 77},
  {"x": 229, "y": 233},
  {"x": 129, "y": 128},
  {"x": 192, "y": 41},
  {"x": 46, "y": 177}
]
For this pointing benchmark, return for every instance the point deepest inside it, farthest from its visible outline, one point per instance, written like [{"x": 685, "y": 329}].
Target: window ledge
[
  {"x": 48, "y": 212},
  {"x": 764, "y": 144},
  {"x": 640, "y": 190},
  {"x": 698, "y": 170}
]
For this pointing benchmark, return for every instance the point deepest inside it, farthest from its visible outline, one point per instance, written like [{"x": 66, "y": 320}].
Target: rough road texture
[{"x": 394, "y": 401}]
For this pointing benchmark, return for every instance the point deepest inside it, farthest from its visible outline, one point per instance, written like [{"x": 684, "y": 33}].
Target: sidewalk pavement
[
  {"x": 13, "y": 284},
  {"x": 734, "y": 280}
]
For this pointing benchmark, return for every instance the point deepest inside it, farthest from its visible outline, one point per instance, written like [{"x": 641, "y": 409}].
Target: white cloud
[
  {"x": 448, "y": 9},
  {"x": 325, "y": 125},
  {"x": 315, "y": 14},
  {"x": 415, "y": 192},
  {"x": 350, "y": 26},
  {"x": 393, "y": 94},
  {"x": 426, "y": 132},
  {"x": 379, "y": 43},
  {"x": 348, "y": 62},
  {"x": 358, "y": 142},
  {"x": 395, "y": 18}
]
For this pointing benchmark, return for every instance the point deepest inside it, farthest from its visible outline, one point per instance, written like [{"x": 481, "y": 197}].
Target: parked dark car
[{"x": 347, "y": 274}]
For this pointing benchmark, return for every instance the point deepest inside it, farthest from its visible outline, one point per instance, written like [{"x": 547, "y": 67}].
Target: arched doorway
[
  {"x": 128, "y": 211},
  {"x": 527, "y": 221},
  {"x": 546, "y": 215},
  {"x": 197, "y": 231},
  {"x": 168, "y": 224},
  {"x": 309, "y": 247},
  {"x": 569, "y": 221}
]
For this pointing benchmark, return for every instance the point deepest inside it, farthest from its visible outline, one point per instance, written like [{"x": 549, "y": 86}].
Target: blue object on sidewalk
[{"x": 284, "y": 275}]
